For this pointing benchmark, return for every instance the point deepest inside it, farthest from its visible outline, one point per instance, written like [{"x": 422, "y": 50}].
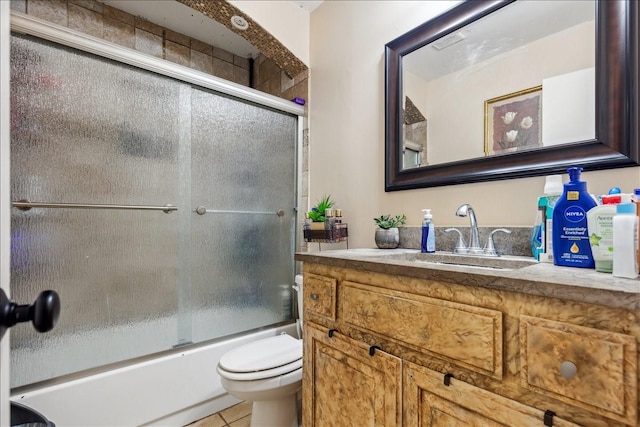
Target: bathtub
[{"x": 171, "y": 390}]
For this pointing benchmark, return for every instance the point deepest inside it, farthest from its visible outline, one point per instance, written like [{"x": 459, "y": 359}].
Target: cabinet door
[
  {"x": 429, "y": 402},
  {"x": 343, "y": 385}
]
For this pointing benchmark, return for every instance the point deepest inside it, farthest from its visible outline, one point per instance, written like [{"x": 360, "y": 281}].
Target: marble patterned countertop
[{"x": 566, "y": 283}]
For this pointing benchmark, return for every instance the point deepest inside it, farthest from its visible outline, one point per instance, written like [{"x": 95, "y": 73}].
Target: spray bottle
[
  {"x": 541, "y": 238},
  {"x": 428, "y": 244}
]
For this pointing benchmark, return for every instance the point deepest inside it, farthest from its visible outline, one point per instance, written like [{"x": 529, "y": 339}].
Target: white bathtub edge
[{"x": 172, "y": 390}]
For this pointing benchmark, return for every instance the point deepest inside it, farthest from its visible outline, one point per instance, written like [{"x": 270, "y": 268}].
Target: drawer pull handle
[
  {"x": 447, "y": 379},
  {"x": 331, "y": 331},
  {"x": 548, "y": 418},
  {"x": 568, "y": 370},
  {"x": 372, "y": 349},
  {"x": 313, "y": 297}
]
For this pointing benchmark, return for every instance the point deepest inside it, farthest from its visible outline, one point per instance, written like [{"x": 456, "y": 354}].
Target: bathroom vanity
[{"x": 395, "y": 337}]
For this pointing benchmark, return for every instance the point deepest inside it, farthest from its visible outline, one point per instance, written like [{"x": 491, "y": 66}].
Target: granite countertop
[{"x": 567, "y": 283}]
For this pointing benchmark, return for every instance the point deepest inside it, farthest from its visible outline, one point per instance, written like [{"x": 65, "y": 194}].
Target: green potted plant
[
  {"x": 387, "y": 234},
  {"x": 317, "y": 213}
]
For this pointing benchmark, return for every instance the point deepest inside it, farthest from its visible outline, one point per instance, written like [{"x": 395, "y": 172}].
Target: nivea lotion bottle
[{"x": 571, "y": 247}]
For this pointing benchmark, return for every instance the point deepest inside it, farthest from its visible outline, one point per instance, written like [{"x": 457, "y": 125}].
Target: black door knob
[{"x": 43, "y": 313}]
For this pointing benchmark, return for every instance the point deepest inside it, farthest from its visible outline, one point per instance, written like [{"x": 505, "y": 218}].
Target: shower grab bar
[
  {"x": 25, "y": 205},
  {"x": 201, "y": 210}
]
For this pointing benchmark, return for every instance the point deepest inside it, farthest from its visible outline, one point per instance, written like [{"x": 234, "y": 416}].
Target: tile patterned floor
[{"x": 235, "y": 416}]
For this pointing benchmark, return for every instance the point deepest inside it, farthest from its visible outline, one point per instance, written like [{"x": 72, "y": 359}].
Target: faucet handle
[
  {"x": 490, "y": 248},
  {"x": 460, "y": 248}
]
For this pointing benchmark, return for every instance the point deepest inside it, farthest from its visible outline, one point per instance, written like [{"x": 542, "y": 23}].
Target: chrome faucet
[
  {"x": 474, "y": 236},
  {"x": 474, "y": 244}
]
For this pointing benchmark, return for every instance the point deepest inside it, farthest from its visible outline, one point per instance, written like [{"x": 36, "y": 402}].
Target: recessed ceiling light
[{"x": 239, "y": 22}]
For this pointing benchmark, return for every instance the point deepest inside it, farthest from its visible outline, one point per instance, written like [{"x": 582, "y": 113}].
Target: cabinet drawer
[
  {"x": 469, "y": 336},
  {"x": 320, "y": 295},
  {"x": 599, "y": 371},
  {"x": 429, "y": 402}
]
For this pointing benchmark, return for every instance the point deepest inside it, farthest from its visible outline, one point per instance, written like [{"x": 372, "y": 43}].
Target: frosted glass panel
[
  {"x": 242, "y": 267},
  {"x": 85, "y": 128},
  {"x": 133, "y": 283},
  {"x": 88, "y": 130},
  {"x": 115, "y": 272}
]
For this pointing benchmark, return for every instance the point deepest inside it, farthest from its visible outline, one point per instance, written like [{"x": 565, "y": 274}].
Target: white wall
[
  {"x": 346, "y": 128},
  {"x": 284, "y": 20}
]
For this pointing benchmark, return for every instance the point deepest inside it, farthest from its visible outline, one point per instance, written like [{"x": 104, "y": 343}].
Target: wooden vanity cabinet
[
  {"x": 584, "y": 367},
  {"x": 510, "y": 359},
  {"x": 320, "y": 295},
  {"x": 430, "y": 402},
  {"x": 348, "y": 383},
  {"x": 461, "y": 333}
]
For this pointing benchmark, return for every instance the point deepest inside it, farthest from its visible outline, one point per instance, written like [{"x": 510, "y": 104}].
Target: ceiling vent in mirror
[
  {"x": 239, "y": 22},
  {"x": 447, "y": 41}
]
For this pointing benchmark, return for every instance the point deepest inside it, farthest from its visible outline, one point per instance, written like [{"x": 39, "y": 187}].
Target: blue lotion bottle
[
  {"x": 571, "y": 247},
  {"x": 428, "y": 242}
]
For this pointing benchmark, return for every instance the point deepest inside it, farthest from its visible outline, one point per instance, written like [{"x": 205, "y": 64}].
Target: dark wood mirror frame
[{"x": 617, "y": 140}]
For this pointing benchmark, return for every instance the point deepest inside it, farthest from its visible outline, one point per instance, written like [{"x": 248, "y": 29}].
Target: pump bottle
[
  {"x": 571, "y": 247},
  {"x": 428, "y": 243}
]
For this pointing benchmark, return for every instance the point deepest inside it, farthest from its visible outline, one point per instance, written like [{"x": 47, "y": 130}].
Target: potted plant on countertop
[{"x": 387, "y": 234}]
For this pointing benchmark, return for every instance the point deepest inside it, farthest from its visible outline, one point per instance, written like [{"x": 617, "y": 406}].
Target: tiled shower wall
[
  {"x": 99, "y": 20},
  {"x": 269, "y": 78},
  {"x": 105, "y": 22}
]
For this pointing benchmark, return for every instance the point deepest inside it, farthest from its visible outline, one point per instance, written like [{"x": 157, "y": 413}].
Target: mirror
[{"x": 487, "y": 92}]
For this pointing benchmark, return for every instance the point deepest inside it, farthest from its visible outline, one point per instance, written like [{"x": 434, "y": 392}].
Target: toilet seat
[
  {"x": 264, "y": 358},
  {"x": 260, "y": 375}
]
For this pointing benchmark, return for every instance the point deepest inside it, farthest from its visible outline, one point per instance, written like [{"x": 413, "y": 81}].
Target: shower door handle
[{"x": 43, "y": 313}]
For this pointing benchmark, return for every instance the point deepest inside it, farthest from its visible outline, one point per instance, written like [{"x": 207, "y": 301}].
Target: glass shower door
[
  {"x": 91, "y": 131},
  {"x": 86, "y": 130},
  {"x": 243, "y": 243}
]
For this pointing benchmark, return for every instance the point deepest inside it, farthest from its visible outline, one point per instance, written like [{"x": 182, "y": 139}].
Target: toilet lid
[
  {"x": 263, "y": 354},
  {"x": 284, "y": 370}
]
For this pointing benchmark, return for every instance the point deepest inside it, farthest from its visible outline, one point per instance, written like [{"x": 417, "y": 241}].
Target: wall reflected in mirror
[{"x": 519, "y": 79}]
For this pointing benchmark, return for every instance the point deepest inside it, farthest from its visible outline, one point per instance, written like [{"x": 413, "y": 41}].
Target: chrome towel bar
[
  {"x": 201, "y": 210},
  {"x": 25, "y": 205}
]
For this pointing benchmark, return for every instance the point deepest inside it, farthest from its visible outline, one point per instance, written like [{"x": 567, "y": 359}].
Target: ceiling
[
  {"x": 512, "y": 26},
  {"x": 308, "y": 5},
  {"x": 185, "y": 20}
]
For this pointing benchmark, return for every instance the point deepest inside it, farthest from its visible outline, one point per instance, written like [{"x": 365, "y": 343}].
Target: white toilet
[{"x": 267, "y": 372}]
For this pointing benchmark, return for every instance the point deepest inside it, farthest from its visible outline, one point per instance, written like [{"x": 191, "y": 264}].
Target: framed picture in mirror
[{"x": 512, "y": 122}]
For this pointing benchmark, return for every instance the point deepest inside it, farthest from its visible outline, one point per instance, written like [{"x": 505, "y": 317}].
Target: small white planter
[{"x": 387, "y": 239}]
